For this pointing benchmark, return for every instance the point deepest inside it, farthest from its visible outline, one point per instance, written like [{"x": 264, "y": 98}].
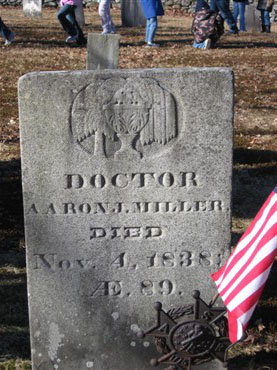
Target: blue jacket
[{"x": 152, "y": 8}]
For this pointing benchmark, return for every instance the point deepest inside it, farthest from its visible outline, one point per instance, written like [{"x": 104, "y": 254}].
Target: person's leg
[
  {"x": 242, "y": 16},
  {"x": 5, "y": 32},
  {"x": 236, "y": 11},
  {"x": 266, "y": 20},
  {"x": 223, "y": 6},
  {"x": 262, "y": 20},
  {"x": 112, "y": 26},
  {"x": 213, "y": 6},
  {"x": 66, "y": 18},
  {"x": 147, "y": 30},
  {"x": 152, "y": 24},
  {"x": 262, "y": 17},
  {"x": 79, "y": 33},
  {"x": 106, "y": 20}
]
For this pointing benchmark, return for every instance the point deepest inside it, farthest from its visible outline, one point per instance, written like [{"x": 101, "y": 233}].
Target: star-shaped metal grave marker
[{"x": 190, "y": 335}]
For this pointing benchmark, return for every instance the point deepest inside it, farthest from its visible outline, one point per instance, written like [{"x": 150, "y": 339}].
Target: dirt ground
[{"x": 40, "y": 46}]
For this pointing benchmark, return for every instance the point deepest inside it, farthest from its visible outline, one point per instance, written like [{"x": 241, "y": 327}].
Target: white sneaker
[
  {"x": 107, "y": 32},
  {"x": 71, "y": 39},
  {"x": 207, "y": 44},
  {"x": 152, "y": 45},
  {"x": 10, "y": 39}
]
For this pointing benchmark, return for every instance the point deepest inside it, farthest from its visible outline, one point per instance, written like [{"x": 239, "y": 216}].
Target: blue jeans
[
  {"x": 5, "y": 32},
  {"x": 66, "y": 16},
  {"x": 239, "y": 10},
  {"x": 222, "y": 6},
  {"x": 201, "y": 45},
  {"x": 151, "y": 27},
  {"x": 198, "y": 45},
  {"x": 265, "y": 18}
]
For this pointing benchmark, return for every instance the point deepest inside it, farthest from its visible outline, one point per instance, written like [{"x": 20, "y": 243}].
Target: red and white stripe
[{"x": 241, "y": 280}]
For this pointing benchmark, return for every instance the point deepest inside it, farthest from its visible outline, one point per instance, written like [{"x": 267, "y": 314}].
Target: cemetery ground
[{"x": 40, "y": 46}]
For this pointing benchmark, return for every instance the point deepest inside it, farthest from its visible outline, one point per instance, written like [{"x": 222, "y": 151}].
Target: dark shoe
[
  {"x": 263, "y": 28},
  {"x": 234, "y": 31},
  {"x": 82, "y": 41},
  {"x": 10, "y": 39},
  {"x": 267, "y": 29}
]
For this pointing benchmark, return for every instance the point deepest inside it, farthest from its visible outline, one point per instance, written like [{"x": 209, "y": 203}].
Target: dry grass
[{"x": 40, "y": 45}]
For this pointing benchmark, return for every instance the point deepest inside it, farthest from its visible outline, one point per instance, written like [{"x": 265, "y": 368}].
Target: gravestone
[
  {"x": 252, "y": 18},
  {"x": 131, "y": 13},
  {"x": 102, "y": 51},
  {"x": 127, "y": 196},
  {"x": 32, "y": 8}
]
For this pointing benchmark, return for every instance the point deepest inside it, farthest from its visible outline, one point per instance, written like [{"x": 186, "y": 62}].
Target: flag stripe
[
  {"x": 248, "y": 286},
  {"x": 262, "y": 252},
  {"x": 241, "y": 280},
  {"x": 241, "y": 257},
  {"x": 237, "y": 315},
  {"x": 248, "y": 289},
  {"x": 246, "y": 258},
  {"x": 248, "y": 235}
]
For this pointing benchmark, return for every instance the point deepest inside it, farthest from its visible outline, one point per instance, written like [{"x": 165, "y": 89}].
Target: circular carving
[{"x": 192, "y": 338}]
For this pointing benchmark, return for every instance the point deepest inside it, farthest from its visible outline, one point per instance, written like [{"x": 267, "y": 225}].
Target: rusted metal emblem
[{"x": 190, "y": 335}]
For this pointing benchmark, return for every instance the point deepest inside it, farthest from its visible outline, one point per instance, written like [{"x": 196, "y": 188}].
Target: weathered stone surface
[
  {"x": 102, "y": 51},
  {"x": 32, "y": 7},
  {"x": 127, "y": 187},
  {"x": 252, "y": 18},
  {"x": 131, "y": 13}
]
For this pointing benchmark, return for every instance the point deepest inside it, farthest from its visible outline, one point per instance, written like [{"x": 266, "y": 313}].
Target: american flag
[{"x": 241, "y": 280}]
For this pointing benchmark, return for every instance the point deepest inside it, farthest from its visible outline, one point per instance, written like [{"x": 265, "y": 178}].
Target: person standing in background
[
  {"x": 222, "y": 6},
  {"x": 105, "y": 15},
  {"x": 265, "y": 7},
  {"x": 207, "y": 26},
  {"x": 66, "y": 16},
  {"x": 6, "y": 33},
  {"x": 151, "y": 10},
  {"x": 239, "y": 11}
]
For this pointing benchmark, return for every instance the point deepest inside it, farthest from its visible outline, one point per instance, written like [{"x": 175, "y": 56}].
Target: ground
[{"x": 40, "y": 46}]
